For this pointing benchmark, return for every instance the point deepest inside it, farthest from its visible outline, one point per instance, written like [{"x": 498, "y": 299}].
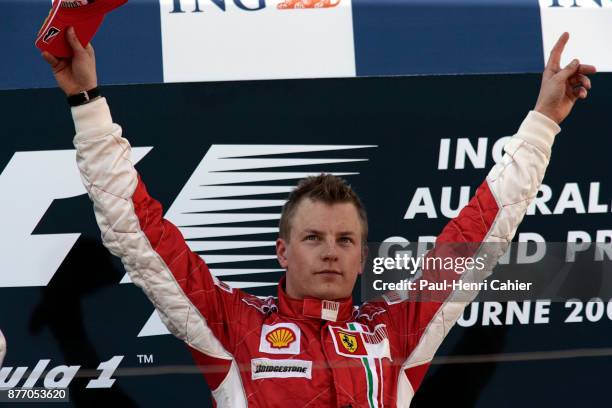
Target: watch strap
[{"x": 84, "y": 97}]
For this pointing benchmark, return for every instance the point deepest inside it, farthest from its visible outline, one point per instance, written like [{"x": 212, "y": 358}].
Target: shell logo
[
  {"x": 281, "y": 337},
  {"x": 302, "y": 4}
]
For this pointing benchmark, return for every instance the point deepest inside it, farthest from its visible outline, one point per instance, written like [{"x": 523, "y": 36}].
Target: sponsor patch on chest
[
  {"x": 280, "y": 338},
  {"x": 269, "y": 368},
  {"x": 357, "y": 341}
]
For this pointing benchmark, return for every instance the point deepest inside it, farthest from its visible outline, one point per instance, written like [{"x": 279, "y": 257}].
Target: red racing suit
[{"x": 283, "y": 352}]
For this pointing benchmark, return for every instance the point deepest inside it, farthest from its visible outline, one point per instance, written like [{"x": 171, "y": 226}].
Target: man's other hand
[
  {"x": 77, "y": 73},
  {"x": 561, "y": 88}
]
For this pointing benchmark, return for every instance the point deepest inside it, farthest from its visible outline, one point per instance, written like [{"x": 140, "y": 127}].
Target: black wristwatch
[{"x": 84, "y": 97}]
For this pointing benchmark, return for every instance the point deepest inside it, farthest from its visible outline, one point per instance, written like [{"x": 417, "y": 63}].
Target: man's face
[{"x": 324, "y": 254}]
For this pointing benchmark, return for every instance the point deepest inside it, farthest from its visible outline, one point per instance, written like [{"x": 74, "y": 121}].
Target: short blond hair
[{"x": 325, "y": 188}]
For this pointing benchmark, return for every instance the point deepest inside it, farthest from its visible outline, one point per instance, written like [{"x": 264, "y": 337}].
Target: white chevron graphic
[{"x": 217, "y": 185}]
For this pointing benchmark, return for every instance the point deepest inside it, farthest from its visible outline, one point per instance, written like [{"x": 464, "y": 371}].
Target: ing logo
[{"x": 200, "y": 6}]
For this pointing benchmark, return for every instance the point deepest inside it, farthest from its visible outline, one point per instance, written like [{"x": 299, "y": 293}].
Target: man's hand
[
  {"x": 74, "y": 74},
  {"x": 561, "y": 88}
]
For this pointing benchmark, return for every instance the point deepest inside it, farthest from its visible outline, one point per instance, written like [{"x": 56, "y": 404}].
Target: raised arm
[
  {"x": 491, "y": 217},
  {"x": 193, "y": 304}
]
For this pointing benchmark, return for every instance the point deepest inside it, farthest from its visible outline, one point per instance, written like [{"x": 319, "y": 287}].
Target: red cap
[{"x": 84, "y": 15}]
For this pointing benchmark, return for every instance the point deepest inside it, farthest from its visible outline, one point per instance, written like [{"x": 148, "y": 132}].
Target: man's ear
[
  {"x": 281, "y": 252},
  {"x": 364, "y": 256}
]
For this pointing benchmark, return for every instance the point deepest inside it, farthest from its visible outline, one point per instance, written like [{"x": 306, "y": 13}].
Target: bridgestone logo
[
  {"x": 268, "y": 368},
  {"x": 278, "y": 369}
]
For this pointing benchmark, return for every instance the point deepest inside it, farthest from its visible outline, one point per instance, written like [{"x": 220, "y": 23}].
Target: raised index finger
[{"x": 554, "y": 61}]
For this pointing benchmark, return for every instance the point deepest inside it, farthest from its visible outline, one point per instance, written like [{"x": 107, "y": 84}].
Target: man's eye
[
  {"x": 312, "y": 237},
  {"x": 346, "y": 240}
]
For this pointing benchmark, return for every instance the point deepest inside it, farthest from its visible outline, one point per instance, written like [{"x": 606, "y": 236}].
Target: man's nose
[{"x": 330, "y": 251}]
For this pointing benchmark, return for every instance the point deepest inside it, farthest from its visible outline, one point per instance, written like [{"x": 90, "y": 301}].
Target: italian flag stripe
[
  {"x": 381, "y": 381},
  {"x": 372, "y": 379}
]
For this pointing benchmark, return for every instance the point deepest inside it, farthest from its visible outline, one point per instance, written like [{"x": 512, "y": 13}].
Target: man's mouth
[{"x": 329, "y": 272}]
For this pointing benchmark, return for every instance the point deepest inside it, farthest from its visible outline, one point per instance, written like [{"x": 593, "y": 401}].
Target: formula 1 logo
[
  {"x": 228, "y": 178},
  {"x": 37, "y": 179},
  {"x": 57, "y": 377}
]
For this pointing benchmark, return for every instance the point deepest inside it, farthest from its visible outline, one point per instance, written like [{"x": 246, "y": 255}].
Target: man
[
  {"x": 310, "y": 347},
  {"x": 2, "y": 348}
]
